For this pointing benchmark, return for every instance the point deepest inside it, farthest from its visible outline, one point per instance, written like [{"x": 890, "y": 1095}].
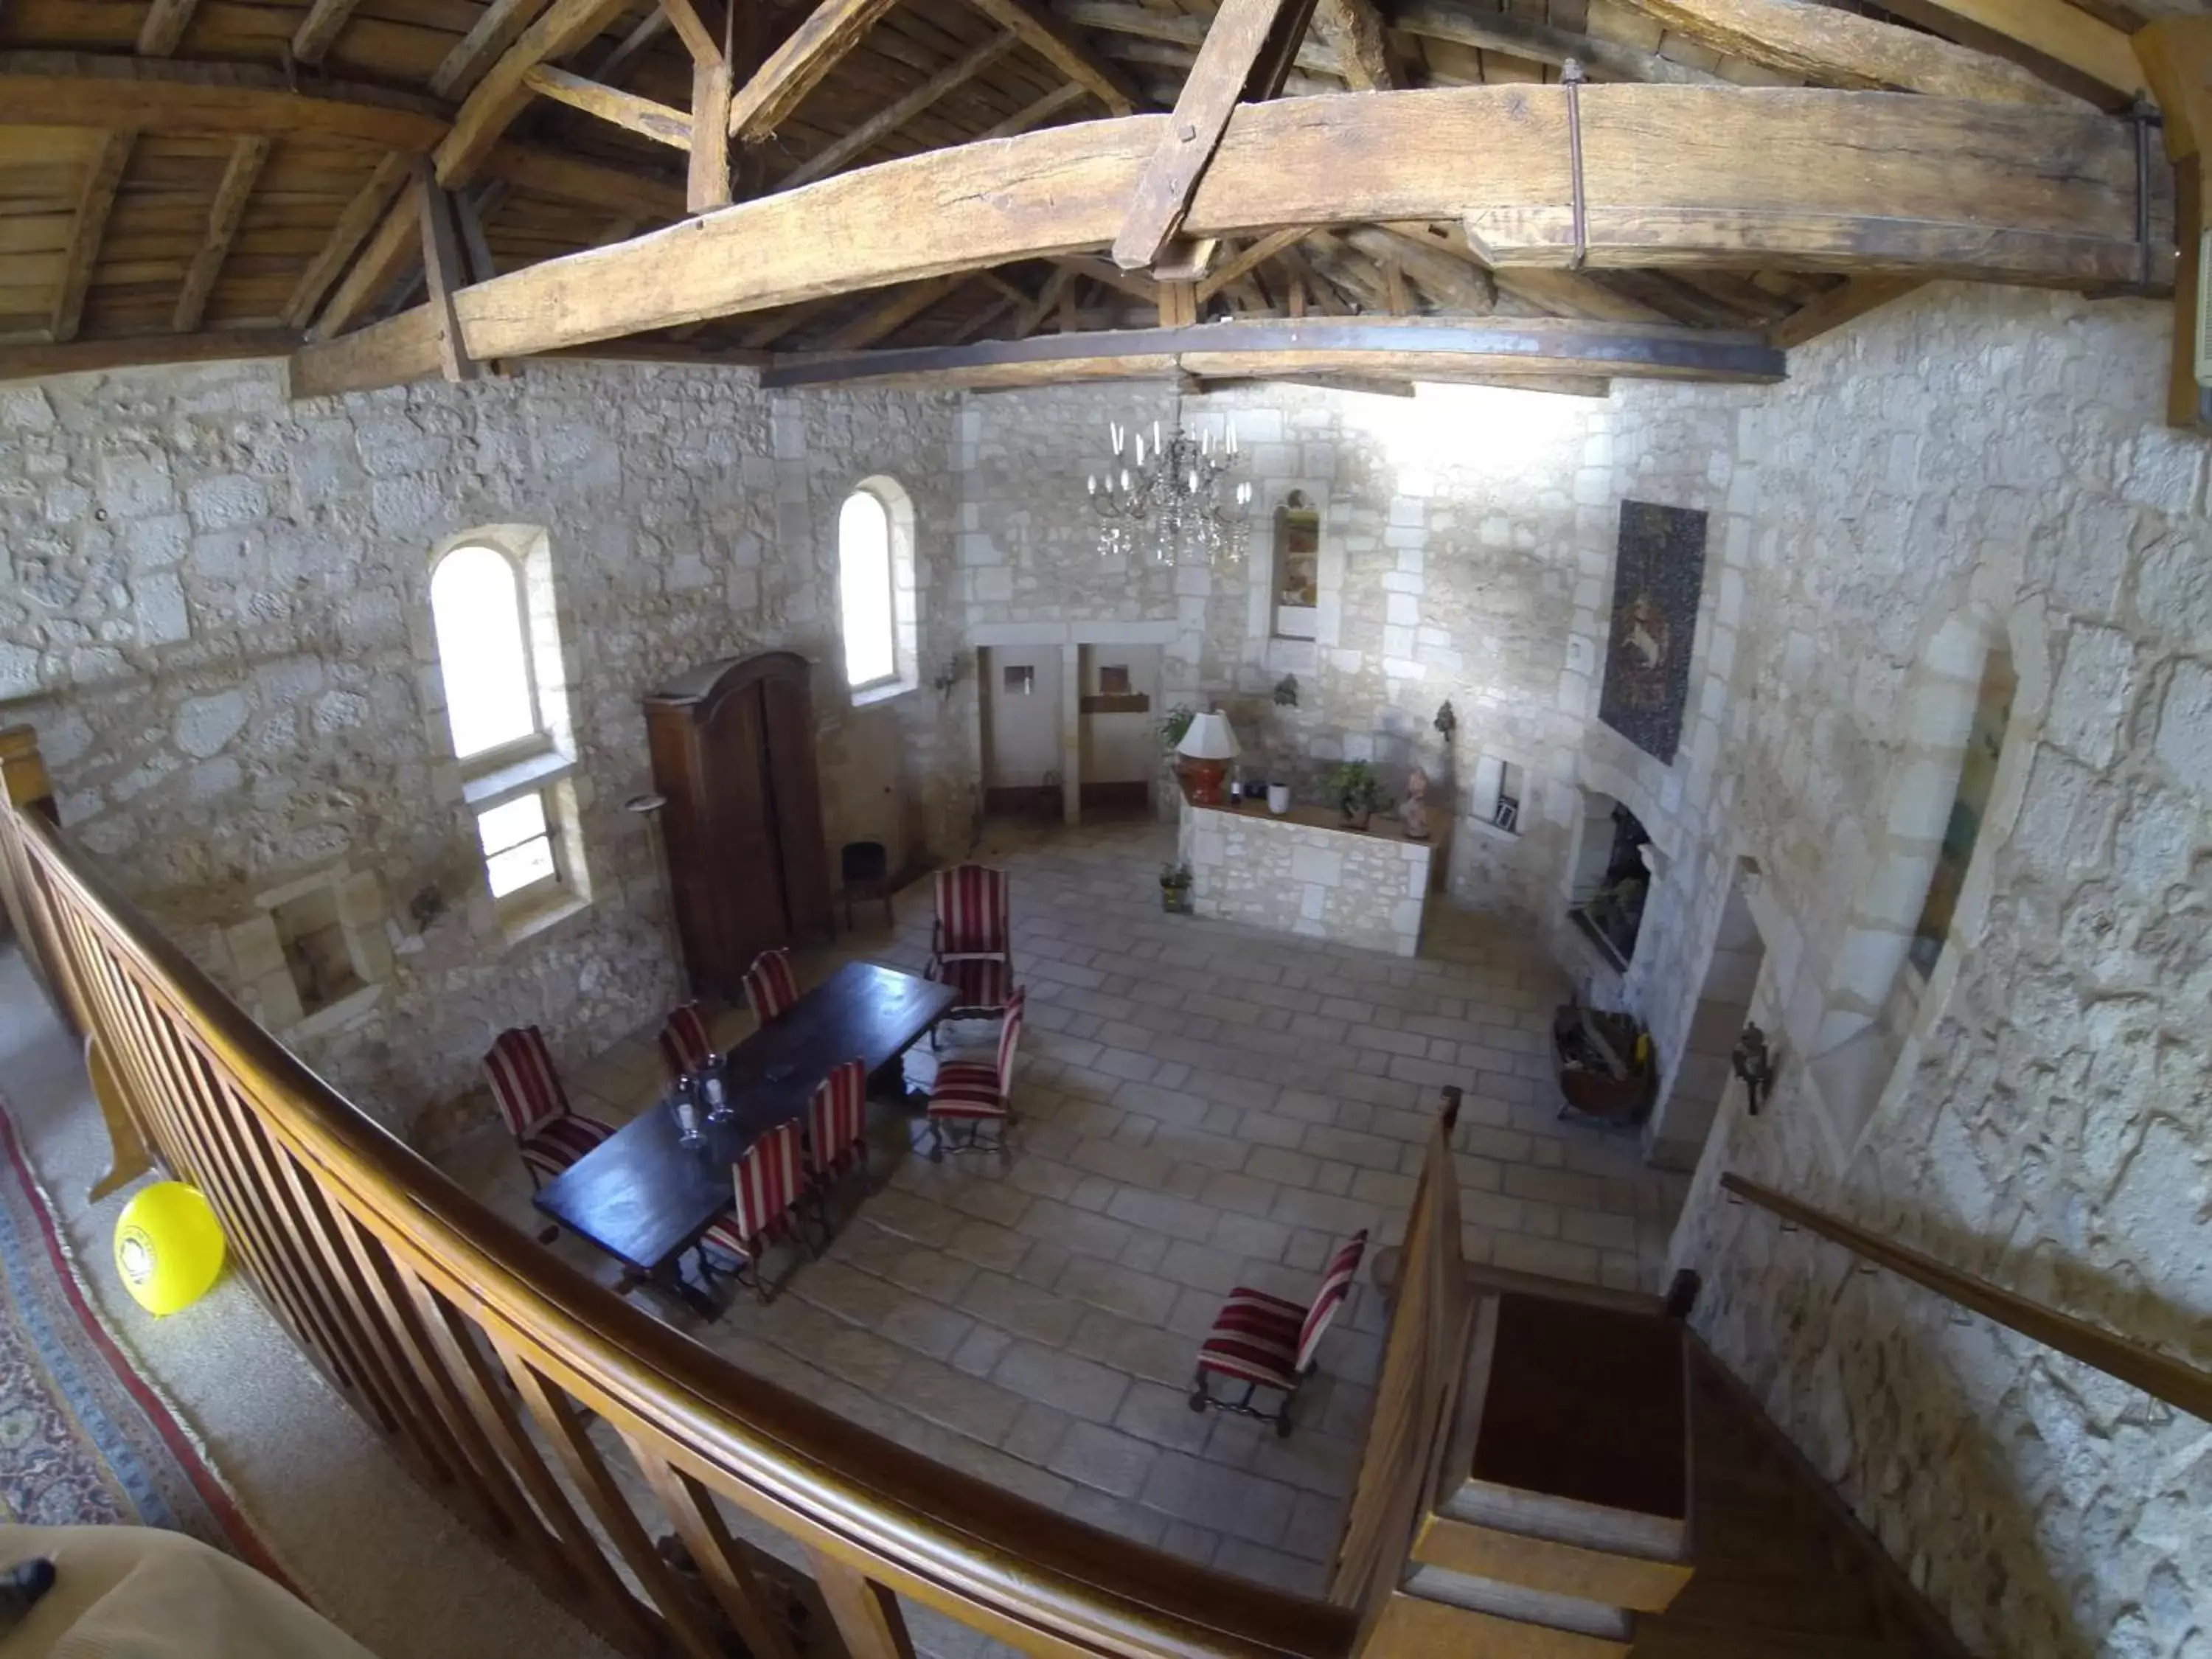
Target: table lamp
[{"x": 1207, "y": 750}]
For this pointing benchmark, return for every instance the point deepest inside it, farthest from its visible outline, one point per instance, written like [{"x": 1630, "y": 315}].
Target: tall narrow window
[
  {"x": 866, "y": 602},
  {"x": 1978, "y": 775},
  {"x": 491, "y": 614}
]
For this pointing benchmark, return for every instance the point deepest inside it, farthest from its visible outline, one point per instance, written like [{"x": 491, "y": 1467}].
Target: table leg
[{"x": 669, "y": 1278}]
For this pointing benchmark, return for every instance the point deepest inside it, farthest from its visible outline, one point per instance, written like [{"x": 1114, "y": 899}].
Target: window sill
[
  {"x": 1495, "y": 831},
  {"x": 867, "y": 697},
  {"x": 529, "y": 919},
  {"x": 504, "y": 783}
]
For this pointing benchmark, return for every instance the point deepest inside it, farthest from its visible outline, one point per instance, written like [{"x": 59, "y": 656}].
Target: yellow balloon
[{"x": 168, "y": 1247}]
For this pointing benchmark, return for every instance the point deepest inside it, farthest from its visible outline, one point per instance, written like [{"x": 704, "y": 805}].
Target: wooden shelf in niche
[{"x": 1132, "y": 703}]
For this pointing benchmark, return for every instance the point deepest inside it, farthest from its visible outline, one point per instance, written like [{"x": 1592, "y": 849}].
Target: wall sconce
[
  {"x": 1751, "y": 1061},
  {"x": 947, "y": 676}
]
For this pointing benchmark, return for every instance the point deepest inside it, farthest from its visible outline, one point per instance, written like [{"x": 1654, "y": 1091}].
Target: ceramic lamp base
[{"x": 1204, "y": 779}]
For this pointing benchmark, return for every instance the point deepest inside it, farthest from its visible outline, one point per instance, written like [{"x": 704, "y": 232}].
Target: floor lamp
[{"x": 649, "y": 807}]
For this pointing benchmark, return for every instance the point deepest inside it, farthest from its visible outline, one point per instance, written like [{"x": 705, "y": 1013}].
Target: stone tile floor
[{"x": 1200, "y": 1106}]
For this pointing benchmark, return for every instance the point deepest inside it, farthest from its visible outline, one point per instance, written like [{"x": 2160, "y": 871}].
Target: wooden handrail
[
  {"x": 2177, "y": 1383},
  {"x": 472, "y": 1350}
]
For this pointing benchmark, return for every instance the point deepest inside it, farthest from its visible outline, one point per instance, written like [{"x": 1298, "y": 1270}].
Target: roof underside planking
[{"x": 184, "y": 179}]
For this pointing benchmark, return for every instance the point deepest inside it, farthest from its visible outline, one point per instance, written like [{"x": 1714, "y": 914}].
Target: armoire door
[
  {"x": 795, "y": 806},
  {"x": 740, "y": 834}
]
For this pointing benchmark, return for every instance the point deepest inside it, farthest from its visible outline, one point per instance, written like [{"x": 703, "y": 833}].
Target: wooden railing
[
  {"x": 2178, "y": 1383},
  {"x": 568, "y": 1426}
]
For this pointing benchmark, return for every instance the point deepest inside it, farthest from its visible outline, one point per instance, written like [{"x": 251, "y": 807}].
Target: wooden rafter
[
  {"x": 1037, "y": 111},
  {"x": 861, "y": 139},
  {"x": 1844, "y": 303},
  {"x": 319, "y": 28},
  {"x": 1249, "y": 259},
  {"x": 497, "y": 28},
  {"x": 798, "y": 66},
  {"x": 698, "y": 40},
  {"x": 567, "y": 25},
  {"x": 1452, "y": 280},
  {"x": 94, "y": 203},
  {"x": 60, "y": 88},
  {"x": 2059, "y": 41},
  {"x": 1396, "y": 347},
  {"x": 1045, "y": 37},
  {"x": 626, "y": 110},
  {"x": 1542, "y": 44},
  {"x": 1841, "y": 48},
  {"x": 24, "y": 362},
  {"x": 443, "y": 271},
  {"x": 246, "y": 157},
  {"x": 1939, "y": 187},
  {"x": 1041, "y": 306},
  {"x": 1354, "y": 29},
  {"x": 1235, "y": 52},
  {"x": 1175, "y": 27},
  {"x": 894, "y": 312},
  {"x": 706, "y": 183},
  {"x": 164, "y": 26}
]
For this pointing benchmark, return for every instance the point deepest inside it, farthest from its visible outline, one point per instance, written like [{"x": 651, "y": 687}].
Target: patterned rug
[{"x": 84, "y": 1439}]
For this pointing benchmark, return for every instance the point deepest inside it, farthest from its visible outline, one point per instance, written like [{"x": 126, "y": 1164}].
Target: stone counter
[{"x": 1305, "y": 873}]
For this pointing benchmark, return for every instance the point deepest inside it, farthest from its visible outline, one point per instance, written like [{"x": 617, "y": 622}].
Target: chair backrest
[
  {"x": 1009, "y": 1033},
  {"x": 685, "y": 1046},
  {"x": 837, "y": 1116},
  {"x": 769, "y": 986},
  {"x": 767, "y": 1178},
  {"x": 1335, "y": 1286},
  {"x": 524, "y": 1085},
  {"x": 972, "y": 912}
]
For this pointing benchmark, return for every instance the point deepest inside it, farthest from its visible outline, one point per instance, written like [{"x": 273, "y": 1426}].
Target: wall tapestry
[{"x": 1658, "y": 572}]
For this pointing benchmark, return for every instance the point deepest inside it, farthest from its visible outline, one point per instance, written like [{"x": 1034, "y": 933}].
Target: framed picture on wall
[
  {"x": 1114, "y": 679},
  {"x": 1020, "y": 679}
]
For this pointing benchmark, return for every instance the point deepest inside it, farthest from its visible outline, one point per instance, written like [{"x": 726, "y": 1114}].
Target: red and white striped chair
[
  {"x": 685, "y": 1045},
  {"x": 1266, "y": 1342},
  {"x": 972, "y": 946},
  {"x": 528, "y": 1093},
  {"x": 837, "y": 1130},
  {"x": 975, "y": 1092},
  {"x": 769, "y": 1183},
  {"x": 769, "y": 986}
]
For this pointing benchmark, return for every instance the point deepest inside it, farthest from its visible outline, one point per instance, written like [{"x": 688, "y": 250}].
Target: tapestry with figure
[{"x": 1658, "y": 572}]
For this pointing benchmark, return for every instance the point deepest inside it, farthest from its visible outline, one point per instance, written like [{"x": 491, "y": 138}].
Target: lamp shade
[{"x": 1210, "y": 737}]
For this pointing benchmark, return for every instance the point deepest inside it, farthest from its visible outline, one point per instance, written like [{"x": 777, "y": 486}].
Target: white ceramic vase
[{"x": 1278, "y": 799}]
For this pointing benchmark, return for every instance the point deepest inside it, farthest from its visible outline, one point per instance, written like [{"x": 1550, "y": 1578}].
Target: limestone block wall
[
  {"x": 1991, "y": 465},
  {"x": 213, "y": 606},
  {"x": 1367, "y": 890},
  {"x": 1466, "y": 556}
]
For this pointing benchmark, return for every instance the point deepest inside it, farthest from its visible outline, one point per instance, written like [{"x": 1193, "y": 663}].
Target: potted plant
[
  {"x": 1357, "y": 791},
  {"x": 1279, "y": 782},
  {"x": 1175, "y": 889}
]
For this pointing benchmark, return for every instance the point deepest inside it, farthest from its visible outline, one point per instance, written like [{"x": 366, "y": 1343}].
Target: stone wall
[
  {"x": 1986, "y": 466},
  {"x": 213, "y": 606},
  {"x": 1466, "y": 549}
]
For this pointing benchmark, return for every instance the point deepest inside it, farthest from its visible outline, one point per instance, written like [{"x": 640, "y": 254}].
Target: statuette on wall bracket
[{"x": 1415, "y": 814}]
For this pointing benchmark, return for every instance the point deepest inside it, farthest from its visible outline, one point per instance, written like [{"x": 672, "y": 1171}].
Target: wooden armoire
[{"x": 733, "y": 747}]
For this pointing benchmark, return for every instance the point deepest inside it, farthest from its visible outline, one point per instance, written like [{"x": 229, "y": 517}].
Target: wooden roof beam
[
  {"x": 484, "y": 115},
  {"x": 896, "y": 312},
  {"x": 319, "y": 29},
  {"x": 626, "y": 110},
  {"x": 1237, "y": 264},
  {"x": 239, "y": 175},
  {"x": 2060, "y": 42},
  {"x": 24, "y": 362},
  {"x": 701, "y": 41},
  {"x": 1037, "y": 111},
  {"x": 498, "y": 27},
  {"x": 1389, "y": 348},
  {"x": 1354, "y": 28},
  {"x": 896, "y": 114},
  {"x": 1177, "y": 28},
  {"x": 798, "y": 66},
  {"x": 1044, "y": 37},
  {"x": 1845, "y": 302},
  {"x": 1939, "y": 187},
  {"x": 1237, "y": 60},
  {"x": 94, "y": 203},
  {"x": 1834, "y": 47},
  {"x": 1541, "y": 43},
  {"x": 89, "y": 89},
  {"x": 164, "y": 26}
]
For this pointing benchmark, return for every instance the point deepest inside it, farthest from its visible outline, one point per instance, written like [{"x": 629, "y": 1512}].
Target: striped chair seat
[
  {"x": 766, "y": 1185},
  {"x": 837, "y": 1122},
  {"x": 556, "y": 1144},
  {"x": 1255, "y": 1339},
  {"x": 967, "y": 1088},
  {"x": 770, "y": 986}
]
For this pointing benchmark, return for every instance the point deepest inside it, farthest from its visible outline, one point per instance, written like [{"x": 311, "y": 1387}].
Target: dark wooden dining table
[{"x": 644, "y": 1196}]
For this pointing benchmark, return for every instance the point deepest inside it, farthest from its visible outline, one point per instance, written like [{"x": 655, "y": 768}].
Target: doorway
[
  {"x": 1675, "y": 1137},
  {"x": 1021, "y": 697},
  {"x": 1117, "y": 747}
]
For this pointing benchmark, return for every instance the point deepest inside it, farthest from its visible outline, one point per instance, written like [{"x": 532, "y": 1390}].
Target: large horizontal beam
[
  {"x": 1397, "y": 348},
  {"x": 26, "y": 362},
  {"x": 1795, "y": 177}
]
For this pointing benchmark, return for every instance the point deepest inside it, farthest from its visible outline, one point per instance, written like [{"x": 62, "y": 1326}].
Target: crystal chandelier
[{"x": 1169, "y": 499}]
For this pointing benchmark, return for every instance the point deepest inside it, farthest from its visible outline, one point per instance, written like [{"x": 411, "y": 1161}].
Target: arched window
[
  {"x": 498, "y": 651},
  {"x": 475, "y": 605},
  {"x": 867, "y": 607}
]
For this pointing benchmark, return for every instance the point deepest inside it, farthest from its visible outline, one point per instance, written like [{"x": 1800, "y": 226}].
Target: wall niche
[{"x": 315, "y": 956}]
